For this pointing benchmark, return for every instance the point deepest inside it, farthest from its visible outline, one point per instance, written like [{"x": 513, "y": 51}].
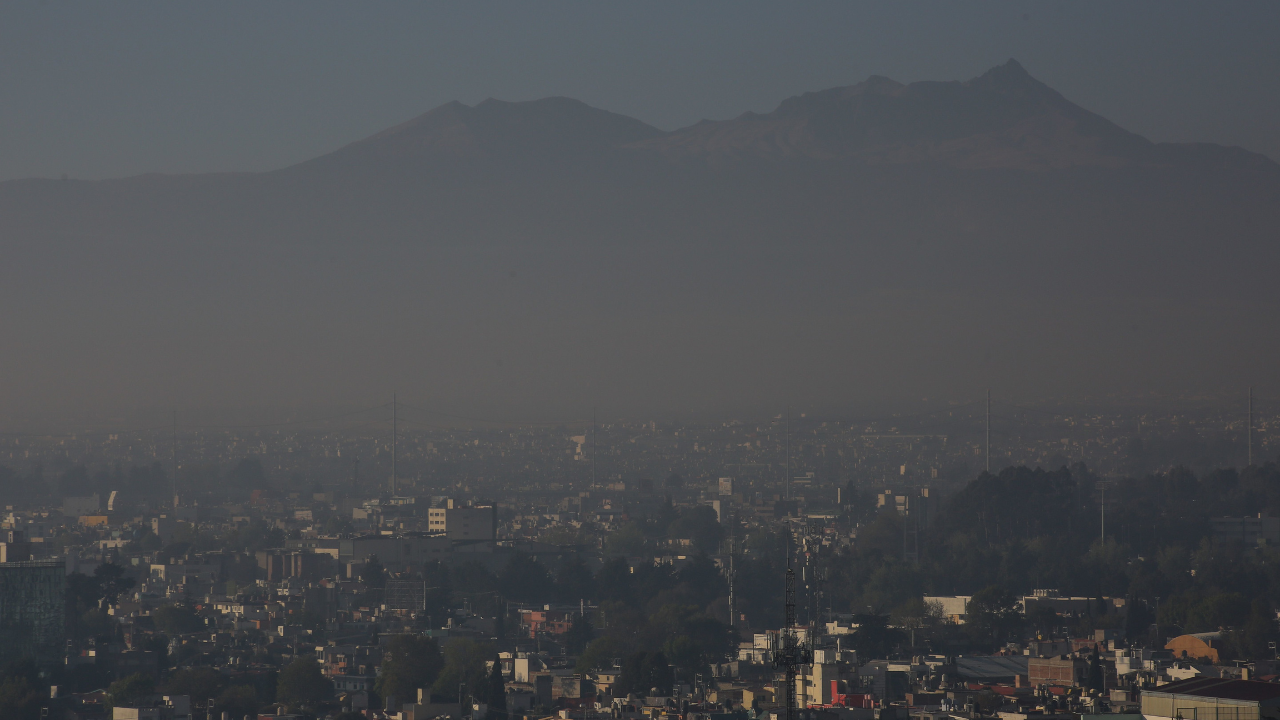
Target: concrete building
[
  {"x": 14, "y": 546},
  {"x": 1260, "y": 530},
  {"x": 464, "y": 522},
  {"x": 1213, "y": 699},
  {"x": 395, "y": 551},
  {"x": 32, "y": 611},
  {"x": 954, "y": 608},
  {"x": 1061, "y": 671}
]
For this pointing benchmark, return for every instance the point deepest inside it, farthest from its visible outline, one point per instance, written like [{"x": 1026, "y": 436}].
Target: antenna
[
  {"x": 789, "y": 654},
  {"x": 988, "y": 442},
  {"x": 1250, "y": 431},
  {"x": 393, "y": 444},
  {"x": 1103, "y": 485},
  {"x": 173, "y": 448},
  {"x": 788, "y": 465},
  {"x": 733, "y": 615}
]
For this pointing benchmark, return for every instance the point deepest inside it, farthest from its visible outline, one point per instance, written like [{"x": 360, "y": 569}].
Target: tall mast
[
  {"x": 788, "y": 463},
  {"x": 1250, "y": 433},
  {"x": 733, "y": 615},
  {"x": 988, "y": 442},
  {"x": 393, "y": 443},
  {"x": 593, "y": 448},
  {"x": 173, "y": 451}
]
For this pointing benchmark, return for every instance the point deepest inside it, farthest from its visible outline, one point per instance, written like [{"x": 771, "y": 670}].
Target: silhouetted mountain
[{"x": 855, "y": 243}]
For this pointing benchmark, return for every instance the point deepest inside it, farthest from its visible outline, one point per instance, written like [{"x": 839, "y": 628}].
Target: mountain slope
[
  {"x": 854, "y": 244},
  {"x": 1002, "y": 119}
]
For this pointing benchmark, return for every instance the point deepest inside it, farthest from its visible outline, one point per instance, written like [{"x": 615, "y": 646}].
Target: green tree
[
  {"x": 699, "y": 524},
  {"x": 19, "y": 699},
  {"x": 20, "y": 694},
  {"x": 410, "y": 662},
  {"x": 993, "y": 614},
  {"x": 130, "y": 690},
  {"x": 496, "y": 691},
  {"x": 580, "y": 634},
  {"x": 176, "y": 619},
  {"x": 301, "y": 684},
  {"x": 642, "y": 672},
  {"x": 526, "y": 580},
  {"x": 238, "y": 701},
  {"x": 200, "y": 683},
  {"x": 600, "y": 654},
  {"x": 463, "y": 665},
  {"x": 626, "y": 540}
]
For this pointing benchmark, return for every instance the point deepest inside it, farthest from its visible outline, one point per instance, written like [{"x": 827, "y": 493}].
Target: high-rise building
[
  {"x": 32, "y": 611},
  {"x": 464, "y": 522}
]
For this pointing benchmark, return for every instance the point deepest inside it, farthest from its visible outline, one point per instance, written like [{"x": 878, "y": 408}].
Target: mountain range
[{"x": 857, "y": 244}]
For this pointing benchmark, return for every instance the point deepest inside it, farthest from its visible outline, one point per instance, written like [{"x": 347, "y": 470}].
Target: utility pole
[
  {"x": 393, "y": 444},
  {"x": 988, "y": 442}
]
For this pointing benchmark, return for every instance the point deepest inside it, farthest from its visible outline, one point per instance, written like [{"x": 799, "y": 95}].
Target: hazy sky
[{"x": 107, "y": 89}]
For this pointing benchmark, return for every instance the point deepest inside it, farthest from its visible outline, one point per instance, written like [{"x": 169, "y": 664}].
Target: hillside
[{"x": 855, "y": 244}]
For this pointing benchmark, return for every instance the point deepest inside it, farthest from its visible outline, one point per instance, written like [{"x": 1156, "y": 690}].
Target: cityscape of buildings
[{"x": 520, "y": 553}]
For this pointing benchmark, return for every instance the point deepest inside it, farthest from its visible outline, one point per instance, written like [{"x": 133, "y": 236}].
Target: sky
[{"x": 99, "y": 90}]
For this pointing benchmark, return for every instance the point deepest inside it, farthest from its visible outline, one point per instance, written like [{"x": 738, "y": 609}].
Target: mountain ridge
[{"x": 870, "y": 240}]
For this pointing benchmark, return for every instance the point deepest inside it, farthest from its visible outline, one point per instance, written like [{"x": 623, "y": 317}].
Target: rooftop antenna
[
  {"x": 393, "y": 444},
  {"x": 788, "y": 653},
  {"x": 1103, "y": 485},
  {"x": 788, "y": 464},
  {"x": 733, "y": 616},
  {"x": 988, "y": 441},
  {"x": 173, "y": 449}
]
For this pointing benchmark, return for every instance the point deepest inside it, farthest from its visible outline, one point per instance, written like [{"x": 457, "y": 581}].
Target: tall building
[
  {"x": 33, "y": 611},
  {"x": 464, "y": 522}
]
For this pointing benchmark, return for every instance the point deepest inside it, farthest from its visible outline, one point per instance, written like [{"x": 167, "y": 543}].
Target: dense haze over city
[{"x": 497, "y": 361}]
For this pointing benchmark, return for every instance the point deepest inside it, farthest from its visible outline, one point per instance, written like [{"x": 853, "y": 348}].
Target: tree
[
  {"x": 111, "y": 581},
  {"x": 301, "y": 683},
  {"x": 20, "y": 694},
  {"x": 410, "y": 662},
  {"x": 463, "y": 665},
  {"x": 19, "y": 699},
  {"x": 643, "y": 672},
  {"x": 574, "y": 581},
  {"x": 200, "y": 683},
  {"x": 176, "y": 619},
  {"x": 599, "y": 654},
  {"x": 374, "y": 575},
  {"x": 1095, "y": 681},
  {"x": 698, "y": 523},
  {"x": 526, "y": 580},
  {"x": 993, "y": 613},
  {"x": 130, "y": 690},
  {"x": 580, "y": 635},
  {"x": 238, "y": 701},
  {"x": 496, "y": 692},
  {"x": 626, "y": 540}
]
